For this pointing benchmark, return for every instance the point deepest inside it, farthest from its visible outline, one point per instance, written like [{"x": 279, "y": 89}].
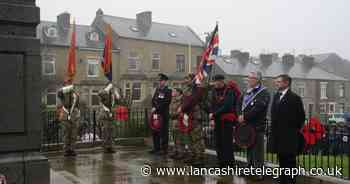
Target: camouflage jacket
[{"x": 174, "y": 105}]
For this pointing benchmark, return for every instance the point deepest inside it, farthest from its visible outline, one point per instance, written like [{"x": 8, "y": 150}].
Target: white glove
[
  {"x": 155, "y": 116},
  {"x": 153, "y": 109},
  {"x": 186, "y": 120}
]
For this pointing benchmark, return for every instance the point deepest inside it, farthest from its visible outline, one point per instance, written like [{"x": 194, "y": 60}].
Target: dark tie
[{"x": 279, "y": 94}]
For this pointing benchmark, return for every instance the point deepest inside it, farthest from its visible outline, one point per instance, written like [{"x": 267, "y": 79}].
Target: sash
[{"x": 244, "y": 105}]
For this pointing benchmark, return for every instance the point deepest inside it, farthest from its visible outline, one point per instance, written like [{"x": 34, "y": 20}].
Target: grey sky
[{"x": 294, "y": 26}]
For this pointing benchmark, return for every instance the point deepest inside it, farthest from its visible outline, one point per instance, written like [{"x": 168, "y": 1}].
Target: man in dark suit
[
  {"x": 252, "y": 109},
  {"x": 288, "y": 117},
  {"x": 160, "y": 105}
]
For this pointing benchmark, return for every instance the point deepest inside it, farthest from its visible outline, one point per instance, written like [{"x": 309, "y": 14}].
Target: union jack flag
[{"x": 208, "y": 57}]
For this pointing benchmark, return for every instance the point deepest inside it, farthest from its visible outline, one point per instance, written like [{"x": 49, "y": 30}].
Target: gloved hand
[{"x": 186, "y": 120}]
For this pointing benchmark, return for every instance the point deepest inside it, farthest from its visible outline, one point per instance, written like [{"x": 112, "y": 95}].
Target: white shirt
[{"x": 283, "y": 93}]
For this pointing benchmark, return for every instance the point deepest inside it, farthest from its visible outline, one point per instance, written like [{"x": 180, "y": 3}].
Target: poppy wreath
[
  {"x": 155, "y": 121},
  {"x": 245, "y": 135},
  {"x": 182, "y": 127}
]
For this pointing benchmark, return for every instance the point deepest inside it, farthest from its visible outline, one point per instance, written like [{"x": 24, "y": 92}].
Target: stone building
[
  {"x": 141, "y": 49},
  {"x": 321, "y": 91}
]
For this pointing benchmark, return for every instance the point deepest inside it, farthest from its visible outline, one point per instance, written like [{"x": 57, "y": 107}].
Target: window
[
  {"x": 136, "y": 91},
  {"x": 49, "y": 65},
  {"x": 134, "y": 29},
  {"x": 180, "y": 63},
  {"x": 331, "y": 107},
  {"x": 51, "y": 97},
  {"x": 127, "y": 92},
  {"x": 155, "y": 61},
  {"x": 52, "y": 32},
  {"x": 94, "y": 36},
  {"x": 133, "y": 61},
  {"x": 301, "y": 89},
  {"x": 94, "y": 99},
  {"x": 341, "y": 90},
  {"x": 172, "y": 34},
  {"x": 323, "y": 90},
  {"x": 93, "y": 68},
  {"x": 341, "y": 108},
  {"x": 133, "y": 89},
  {"x": 322, "y": 108}
]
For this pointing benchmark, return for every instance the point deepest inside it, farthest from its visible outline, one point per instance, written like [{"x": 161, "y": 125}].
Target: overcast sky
[{"x": 257, "y": 26}]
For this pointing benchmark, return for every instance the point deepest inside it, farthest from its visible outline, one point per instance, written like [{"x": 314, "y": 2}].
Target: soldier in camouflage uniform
[
  {"x": 179, "y": 137},
  {"x": 190, "y": 106},
  {"x": 69, "y": 116},
  {"x": 108, "y": 97}
]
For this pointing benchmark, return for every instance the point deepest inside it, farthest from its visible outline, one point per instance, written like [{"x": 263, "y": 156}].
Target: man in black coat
[
  {"x": 288, "y": 117},
  {"x": 160, "y": 105},
  {"x": 252, "y": 109}
]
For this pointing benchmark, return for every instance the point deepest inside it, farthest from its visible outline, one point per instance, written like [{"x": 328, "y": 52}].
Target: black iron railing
[
  {"x": 330, "y": 151},
  {"x": 90, "y": 130}
]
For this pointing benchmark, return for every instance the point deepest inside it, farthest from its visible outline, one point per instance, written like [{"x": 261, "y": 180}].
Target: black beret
[
  {"x": 218, "y": 77},
  {"x": 163, "y": 77}
]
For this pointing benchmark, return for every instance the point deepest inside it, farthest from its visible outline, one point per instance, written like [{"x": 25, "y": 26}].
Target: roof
[
  {"x": 319, "y": 58},
  {"x": 231, "y": 66},
  {"x": 158, "y": 31},
  {"x": 63, "y": 39}
]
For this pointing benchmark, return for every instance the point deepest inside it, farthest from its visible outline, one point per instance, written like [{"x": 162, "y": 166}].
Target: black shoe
[
  {"x": 109, "y": 150},
  {"x": 154, "y": 152},
  {"x": 73, "y": 154},
  {"x": 67, "y": 153},
  {"x": 70, "y": 153}
]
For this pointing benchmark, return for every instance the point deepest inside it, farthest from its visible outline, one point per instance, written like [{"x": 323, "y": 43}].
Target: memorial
[{"x": 20, "y": 94}]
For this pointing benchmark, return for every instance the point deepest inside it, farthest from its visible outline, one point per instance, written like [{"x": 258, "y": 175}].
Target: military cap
[
  {"x": 163, "y": 77},
  {"x": 218, "y": 77}
]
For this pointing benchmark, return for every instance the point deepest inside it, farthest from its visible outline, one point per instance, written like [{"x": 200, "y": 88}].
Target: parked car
[
  {"x": 336, "y": 118},
  {"x": 347, "y": 117}
]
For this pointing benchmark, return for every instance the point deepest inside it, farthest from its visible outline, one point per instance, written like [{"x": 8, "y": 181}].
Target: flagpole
[
  {"x": 212, "y": 67},
  {"x": 189, "y": 58}
]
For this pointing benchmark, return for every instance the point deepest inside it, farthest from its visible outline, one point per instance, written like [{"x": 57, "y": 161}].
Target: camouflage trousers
[
  {"x": 107, "y": 130},
  {"x": 70, "y": 130},
  {"x": 196, "y": 144},
  {"x": 180, "y": 140}
]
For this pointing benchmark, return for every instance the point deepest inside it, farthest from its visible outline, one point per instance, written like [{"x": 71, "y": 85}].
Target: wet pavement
[{"x": 124, "y": 167}]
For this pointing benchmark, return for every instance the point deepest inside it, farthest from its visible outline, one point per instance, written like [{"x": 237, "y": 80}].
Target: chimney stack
[
  {"x": 288, "y": 61},
  {"x": 144, "y": 21},
  {"x": 266, "y": 60},
  {"x": 63, "y": 21}
]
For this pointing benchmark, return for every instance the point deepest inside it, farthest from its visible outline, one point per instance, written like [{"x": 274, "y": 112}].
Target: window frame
[
  {"x": 94, "y": 36},
  {"x": 329, "y": 107},
  {"x": 153, "y": 59},
  {"x": 92, "y": 61},
  {"x": 342, "y": 90},
  {"x": 183, "y": 66},
  {"x": 45, "y": 61},
  {"x": 93, "y": 92},
  {"x": 136, "y": 59},
  {"x": 140, "y": 91},
  {"x": 53, "y": 92},
  {"x": 323, "y": 86}
]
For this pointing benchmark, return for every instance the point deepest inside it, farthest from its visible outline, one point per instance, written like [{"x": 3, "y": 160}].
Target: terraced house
[
  {"x": 142, "y": 48},
  {"x": 321, "y": 91}
]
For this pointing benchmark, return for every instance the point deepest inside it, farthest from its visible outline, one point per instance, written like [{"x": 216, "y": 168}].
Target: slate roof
[
  {"x": 158, "y": 31},
  {"x": 63, "y": 38},
  {"x": 231, "y": 66}
]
